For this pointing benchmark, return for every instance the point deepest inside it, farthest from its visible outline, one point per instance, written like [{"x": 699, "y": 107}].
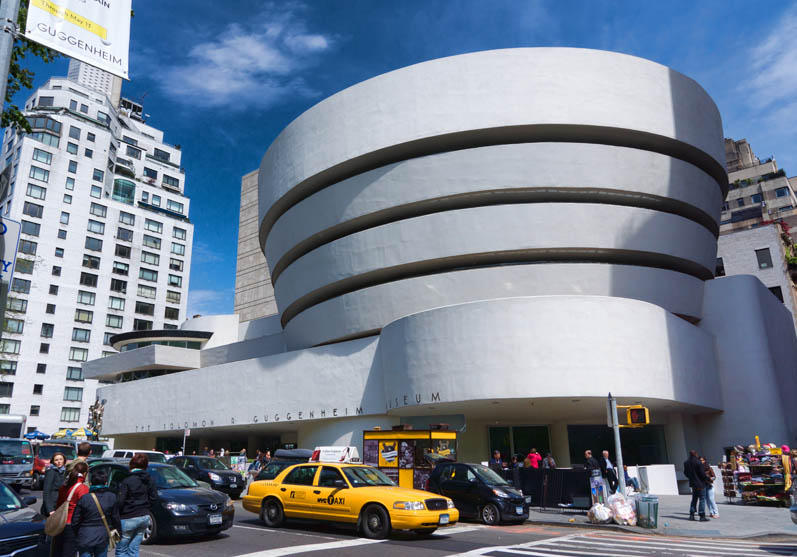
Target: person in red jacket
[
  {"x": 65, "y": 544},
  {"x": 534, "y": 458}
]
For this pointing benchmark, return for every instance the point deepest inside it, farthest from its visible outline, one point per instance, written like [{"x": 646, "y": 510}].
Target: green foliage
[{"x": 19, "y": 76}]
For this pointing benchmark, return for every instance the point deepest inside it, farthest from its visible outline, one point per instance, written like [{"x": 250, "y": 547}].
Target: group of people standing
[
  {"x": 92, "y": 505},
  {"x": 701, "y": 479}
]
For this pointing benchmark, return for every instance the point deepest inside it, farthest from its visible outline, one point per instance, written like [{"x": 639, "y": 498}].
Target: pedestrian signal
[{"x": 637, "y": 416}]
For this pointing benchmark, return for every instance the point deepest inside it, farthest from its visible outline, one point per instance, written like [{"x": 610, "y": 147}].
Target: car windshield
[
  {"x": 364, "y": 476},
  {"x": 155, "y": 457},
  {"x": 10, "y": 448},
  {"x": 97, "y": 450},
  {"x": 8, "y": 500},
  {"x": 272, "y": 469},
  {"x": 46, "y": 452},
  {"x": 169, "y": 477},
  {"x": 211, "y": 464},
  {"x": 488, "y": 476}
]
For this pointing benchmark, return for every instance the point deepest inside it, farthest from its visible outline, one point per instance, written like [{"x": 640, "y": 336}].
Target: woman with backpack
[
  {"x": 53, "y": 480},
  {"x": 95, "y": 520},
  {"x": 137, "y": 493},
  {"x": 65, "y": 544}
]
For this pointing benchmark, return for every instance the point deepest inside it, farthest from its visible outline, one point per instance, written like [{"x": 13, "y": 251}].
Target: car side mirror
[
  {"x": 340, "y": 484},
  {"x": 28, "y": 501}
]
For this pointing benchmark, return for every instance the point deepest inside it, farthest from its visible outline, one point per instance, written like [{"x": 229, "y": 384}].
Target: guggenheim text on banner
[{"x": 96, "y": 32}]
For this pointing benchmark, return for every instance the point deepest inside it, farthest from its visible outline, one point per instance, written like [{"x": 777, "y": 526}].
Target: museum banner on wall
[{"x": 96, "y": 32}]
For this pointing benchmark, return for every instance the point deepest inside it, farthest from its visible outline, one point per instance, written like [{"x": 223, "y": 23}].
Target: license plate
[
  {"x": 444, "y": 519},
  {"x": 215, "y": 519},
  {"x": 233, "y": 484},
  {"x": 519, "y": 510}
]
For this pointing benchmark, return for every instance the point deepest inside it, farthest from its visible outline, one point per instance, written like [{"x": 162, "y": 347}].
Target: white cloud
[
  {"x": 203, "y": 253},
  {"x": 209, "y": 302},
  {"x": 249, "y": 65},
  {"x": 773, "y": 63}
]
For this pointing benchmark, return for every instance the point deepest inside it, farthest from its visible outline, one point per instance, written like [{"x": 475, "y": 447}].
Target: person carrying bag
[
  {"x": 55, "y": 523},
  {"x": 59, "y": 524},
  {"x": 94, "y": 534}
]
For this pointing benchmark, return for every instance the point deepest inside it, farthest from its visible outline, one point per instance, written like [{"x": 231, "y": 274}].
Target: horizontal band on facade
[
  {"x": 505, "y": 135},
  {"x": 487, "y": 198},
  {"x": 492, "y": 259},
  {"x": 353, "y": 336}
]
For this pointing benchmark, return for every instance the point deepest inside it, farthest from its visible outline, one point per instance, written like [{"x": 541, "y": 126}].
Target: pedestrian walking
[
  {"x": 694, "y": 472},
  {"x": 515, "y": 465},
  {"x": 96, "y": 517},
  {"x": 243, "y": 452},
  {"x": 83, "y": 453},
  {"x": 53, "y": 480},
  {"x": 608, "y": 473},
  {"x": 137, "y": 493},
  {"x": 534, "y": 458},
  {"x": 596, "y": 486},
  {"x": 548, "y": 461},
  {"x": 65, "y": 543},
  {"x": 713, "y": 511}
]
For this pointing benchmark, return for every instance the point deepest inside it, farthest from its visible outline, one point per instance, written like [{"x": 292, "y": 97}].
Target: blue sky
[{"x": 223, "y": 82}]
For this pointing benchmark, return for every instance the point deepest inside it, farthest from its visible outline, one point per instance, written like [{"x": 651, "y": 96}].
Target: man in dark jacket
[
  {"x": 608, "y": 472},
  {"x": 590, "y": 463},
  {"x": 698, "y": 481},
  {"x": 90, "y": 531}
]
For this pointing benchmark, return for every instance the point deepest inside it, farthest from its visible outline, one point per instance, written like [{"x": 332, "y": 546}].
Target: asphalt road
[{"x": 249, "y": 538}]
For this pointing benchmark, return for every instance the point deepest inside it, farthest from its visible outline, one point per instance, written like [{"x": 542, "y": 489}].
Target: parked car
[
  {"x": 126, "y": 454},
  {"x": 98, "y": 448},
  {"x": 43, "y": 453},
  {"x": 21, "y": 526},
  {"x": 478, "y": 492},
  {"x": 213, "y": 472},
  {"x": 183, "y": 508},
  {"x": 16, "y": 462},
  {"x": 282, "y": 459}
]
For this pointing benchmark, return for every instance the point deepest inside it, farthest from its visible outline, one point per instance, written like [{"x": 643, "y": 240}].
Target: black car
[
  {"x": 212, "y": 471},
  {"x": 282, "y": 459},
  {"x": 183, "y": 508},
  {"x": 21, "y": 526},
  {"x": 478, "y": 492}
]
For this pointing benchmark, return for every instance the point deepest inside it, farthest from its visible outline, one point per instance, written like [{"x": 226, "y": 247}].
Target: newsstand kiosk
[{"x": 407, "y": 455}]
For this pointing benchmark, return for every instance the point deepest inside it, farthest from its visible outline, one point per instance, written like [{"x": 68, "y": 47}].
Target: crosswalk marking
[{"x": 294, "y": 549}]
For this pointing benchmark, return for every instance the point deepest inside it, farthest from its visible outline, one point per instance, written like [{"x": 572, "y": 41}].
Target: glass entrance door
[{"x": 519, "y": 440}]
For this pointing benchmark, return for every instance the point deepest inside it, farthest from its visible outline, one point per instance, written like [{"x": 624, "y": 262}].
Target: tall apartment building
[
  {"x": 254, "y": 293},
  {"x": 105, "y": 244}
]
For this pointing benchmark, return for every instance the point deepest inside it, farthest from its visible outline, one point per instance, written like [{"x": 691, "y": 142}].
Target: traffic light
[{"x": 637, "y": 416}]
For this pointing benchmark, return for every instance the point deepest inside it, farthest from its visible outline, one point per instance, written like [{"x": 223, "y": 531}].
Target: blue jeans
[
  {"x": 699, "y": 501},
  {"x": 132, "y": 534},
  {"x": 96, "y": 551},
  {"x": 712, "y": 504}
]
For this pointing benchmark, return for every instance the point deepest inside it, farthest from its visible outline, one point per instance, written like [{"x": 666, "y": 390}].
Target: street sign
[
  {"x": 188, "y": 433},
  {"x": 9, "y": 231}
]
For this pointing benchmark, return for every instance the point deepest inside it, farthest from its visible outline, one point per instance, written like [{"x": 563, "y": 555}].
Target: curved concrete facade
[{"x": 529, "y": 158}]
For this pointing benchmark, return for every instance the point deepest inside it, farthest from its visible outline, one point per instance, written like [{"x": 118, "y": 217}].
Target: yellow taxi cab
[{"x": 351, "y": 493}]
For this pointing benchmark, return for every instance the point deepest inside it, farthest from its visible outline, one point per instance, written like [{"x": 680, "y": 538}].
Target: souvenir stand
[{"x": 755, "y": 475}]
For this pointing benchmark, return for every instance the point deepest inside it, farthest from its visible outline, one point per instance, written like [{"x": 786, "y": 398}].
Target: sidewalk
[{"x": 736, "y": 521}]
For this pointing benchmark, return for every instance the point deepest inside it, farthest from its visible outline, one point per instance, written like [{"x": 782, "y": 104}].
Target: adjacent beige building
[{"x": 254, "y": 294}]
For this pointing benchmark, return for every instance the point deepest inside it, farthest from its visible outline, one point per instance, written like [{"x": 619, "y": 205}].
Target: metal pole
[
  {"x": 8, "y": 20},
  {"x": 617, "y": 448},
  {"x": 183, "y": 441}
]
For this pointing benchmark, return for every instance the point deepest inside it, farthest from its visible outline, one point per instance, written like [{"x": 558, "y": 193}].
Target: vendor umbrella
[
  {"x": 83, "y": 432},
  {"x": 62, "y": 434},
  {"x": 40, "y": 435}
]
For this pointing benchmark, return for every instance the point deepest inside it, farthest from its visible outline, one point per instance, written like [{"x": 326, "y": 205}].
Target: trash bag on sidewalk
[
  {"x": 622, "y": 510},
  {"x": 599, "y": 514}
]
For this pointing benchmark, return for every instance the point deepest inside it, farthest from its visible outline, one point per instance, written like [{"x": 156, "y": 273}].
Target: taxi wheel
[
  {"x": 375, "y": 522},
  {"x": 271, "y": 513},
  {"x": 489, "y": 514}
]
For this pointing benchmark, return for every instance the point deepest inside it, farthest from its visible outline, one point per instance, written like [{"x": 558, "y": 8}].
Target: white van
[
  {"x": 349, "y": 455},
  {"x": 127, "y": 454}
]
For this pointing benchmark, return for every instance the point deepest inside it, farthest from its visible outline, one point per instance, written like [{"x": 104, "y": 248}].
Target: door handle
[
  {"x": 316, "y": 491},
  {"x": 282, "y": 489}
]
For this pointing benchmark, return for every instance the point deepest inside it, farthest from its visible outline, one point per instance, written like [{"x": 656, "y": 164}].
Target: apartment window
[
  {"x": 764, "y": 258},
  {"x": 98, "y": 210},
  {"x": 124, "y": 234},
  {"x": 67, "y": 199},
  {"x": 114, "y": 321},
  {"x": 174, "y": 206},
  {"x": 28, "y": 247},
  {"x": 84, "y": 316},
  {"x": 74, "y": 394},
  {"x": 172, "y": 313},
  {"x": 96, "y": 192},
  {"x": 72, "y": 168},
  {"x": 152, "y": 241},
  {"x": 74, "y": 132},
  {"x": 36, "y": 192},
  {"x": 153, "y": 226},
  {"x": 61, "y": 234},
  {"x": 90, "y": 137},
  {"x": 175, "y": 280},
  {"x": 98, "y": 174},
  {"x": 38, "y": 389},
  {"x": 70, "y": 183},
  {"x": 84, "y": 108},
  {"x": 127, "y": 218},
  {"x": 156, "y": 200},
  {"x": 150, "y": 258},
  {"x": 71, "y": 148},
  {"x": 91, "y": 261},
  {"x": 44, "y": 348},
  {"x": 6, "y": 389},
  {"x": 20, "y": 285},
  {"x": 150, "y": 173},
  {"x": 17, "y": 304},
  {"x": 740, "y": 202},
  {"x": 144, "y": 197},
  {"x": 78, "y": 354},
  {"x": 102, "y": 117},
  {"x": 161, "y": 155},
  {"x": 33, "y": 210},
  {"x": 122, "y": 251},
  {"x": 41, "y": 368},
  {"x": 24, "y": 266},
  {"x": 54, "y": 290},
  {"x": 175, "y": 264},
  {"x": 106, "y": 341},
  {"x": 70, "y": 414},
  {"x": 719, "y": 270},
  {"x": 89, "y": 153},
  {"x": 169, "y": 181},
  {"x": 34, "y": 410},
  {"x": 116, "y": 303},
  {"x": 64, "y": 219},
  {"x": 86, "y": 298},
  {"x": 146, "y": 291},
  {"x": 133, "y": 152},
  {"x": 178, "y": 233},
  {"x": 39, "y": 173},
  {"x": 46, "y": 101},
  {"x": 148, "y": 274},
  {"x": 142, "y": 325},
  {"x": 59, "y": 252},
  {"x": 120, "y": 268},
  {"x": 5, "y": 408},
  {"x": 9, "y": 346},
  {"x": 8, "y": 367},
  {"x": 47, "y": 330},
  {"x": 57, "y": 269},
  {"x": 119, "y": 286},
  {"x": 124, "y": 191},
  {"x": 81, "y": 335},
  {"x": 31, "y": 228},
  {"x": 93, "y": 244},
  {"x": 726, "y": 206},
  {"x": 782, "y": 192},
  {"x": 40, "y": 155},
  {"x": 50, "y": 308},
  {"x": 145, "y": 308},
  {"x": 74, "y": 373},
  {"x": 757, "y": 198},
  {"x": 14, "y": 326},
  {"x": 73, "y": 105}
]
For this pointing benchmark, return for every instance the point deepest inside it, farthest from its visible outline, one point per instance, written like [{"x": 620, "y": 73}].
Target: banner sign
[
  {"x": 96, "y": 31},
  {"x": 9, "y": 233}
]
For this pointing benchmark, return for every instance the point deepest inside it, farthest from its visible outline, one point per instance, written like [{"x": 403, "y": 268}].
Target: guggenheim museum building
[{"x": 494, "y": 241}]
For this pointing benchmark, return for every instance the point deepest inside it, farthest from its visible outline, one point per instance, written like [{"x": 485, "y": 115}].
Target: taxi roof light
[{"x": 336, "y": 454}]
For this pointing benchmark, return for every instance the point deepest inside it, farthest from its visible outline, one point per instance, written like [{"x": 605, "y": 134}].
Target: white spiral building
[{"x": 499, "y": 238}]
